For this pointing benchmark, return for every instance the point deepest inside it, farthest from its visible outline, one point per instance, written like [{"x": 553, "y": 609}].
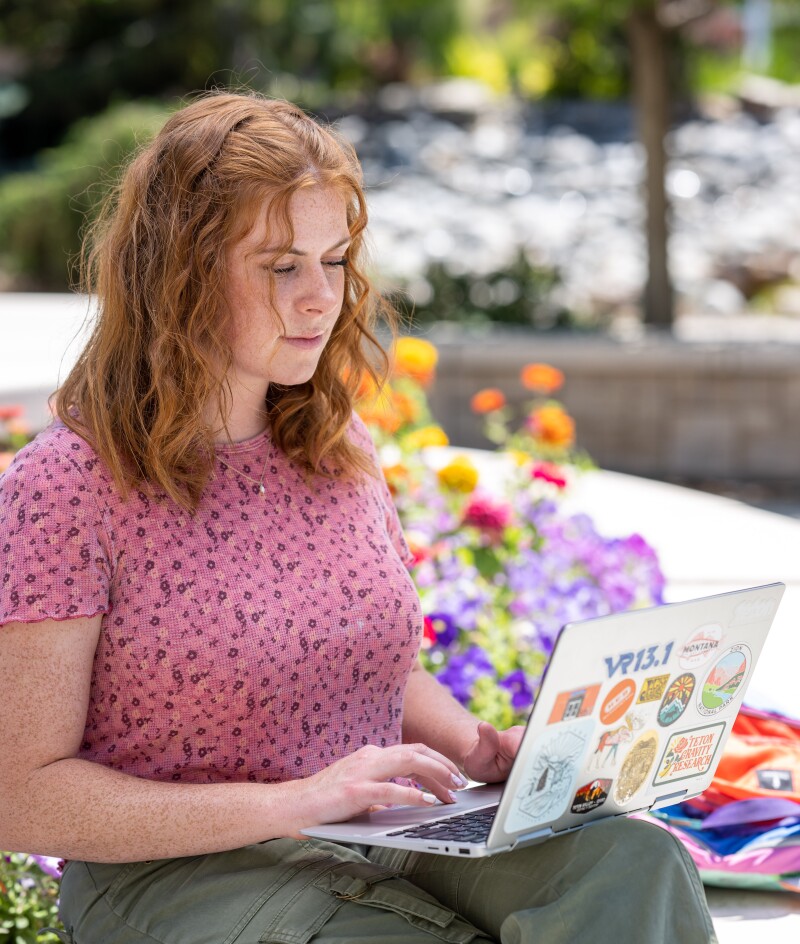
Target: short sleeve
[
  {"x": 361, "y": 437},
  {"x": 56, "y": 563}
]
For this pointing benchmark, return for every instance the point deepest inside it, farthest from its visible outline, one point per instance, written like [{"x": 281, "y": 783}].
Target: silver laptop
[{"x": 633, "y": 714}]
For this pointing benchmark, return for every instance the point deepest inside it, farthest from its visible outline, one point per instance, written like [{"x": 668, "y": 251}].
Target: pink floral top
[{"x": 260, "y": 640}]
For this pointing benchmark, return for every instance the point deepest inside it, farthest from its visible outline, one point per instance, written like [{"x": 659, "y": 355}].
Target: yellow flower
[
  {"x": 426, "y": 436},
  {"x": 519, "y": 457},
  {"x": 460, "y": 475},
  {"x": 415, "y": 358}
]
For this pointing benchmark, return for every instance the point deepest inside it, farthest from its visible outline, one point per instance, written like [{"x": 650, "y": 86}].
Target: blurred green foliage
[
  {"x": 515, "y": 294},
  {"x": 42, "y": 211}
]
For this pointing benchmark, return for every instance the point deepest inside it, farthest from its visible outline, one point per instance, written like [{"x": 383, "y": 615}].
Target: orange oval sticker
[{"x": 618, "y": 701}]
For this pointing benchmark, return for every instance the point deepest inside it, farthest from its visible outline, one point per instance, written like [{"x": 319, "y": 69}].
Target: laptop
[{"x": 632, "y": 714}]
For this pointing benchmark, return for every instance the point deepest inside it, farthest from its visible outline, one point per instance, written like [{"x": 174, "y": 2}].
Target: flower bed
[{"x": 498, "y": 565}]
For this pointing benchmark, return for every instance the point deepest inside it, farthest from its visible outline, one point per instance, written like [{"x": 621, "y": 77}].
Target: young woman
[{"x": 208, "y": 635}]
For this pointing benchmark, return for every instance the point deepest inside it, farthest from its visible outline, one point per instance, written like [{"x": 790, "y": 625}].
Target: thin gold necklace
[{"x": 244, "y": 475}]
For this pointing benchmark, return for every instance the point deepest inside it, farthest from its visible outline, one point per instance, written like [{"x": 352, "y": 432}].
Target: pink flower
[
  {"x": 486, "y": 513},
  {"x": 549, "y": 472}
]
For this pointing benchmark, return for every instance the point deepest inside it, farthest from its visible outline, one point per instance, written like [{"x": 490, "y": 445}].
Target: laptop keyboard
[{"x": 473, "y": 826}]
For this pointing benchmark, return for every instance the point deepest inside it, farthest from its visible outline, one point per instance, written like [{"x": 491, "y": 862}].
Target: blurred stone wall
[{"x": 657, "y": 407}]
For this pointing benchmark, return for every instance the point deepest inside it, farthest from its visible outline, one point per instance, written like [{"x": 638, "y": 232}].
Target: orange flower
[
  {"x": 552, "y": 425},
  {"x": 488, "y": 400},
  {"x": 11, "y": 412},
  {"x": 379, "y": 411},
  {"x": 395, "y": 476},
  {"x": 541, "y": 377},
  {"x": 405, "y": 407},
  {"x": 415, "y": 358}
]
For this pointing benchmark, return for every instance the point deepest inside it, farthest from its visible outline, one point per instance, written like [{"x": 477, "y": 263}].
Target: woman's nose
[{"x": 319, "y": 292}]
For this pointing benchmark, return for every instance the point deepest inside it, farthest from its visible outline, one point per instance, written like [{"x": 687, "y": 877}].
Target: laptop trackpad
[{"x": 399, "y": 817}]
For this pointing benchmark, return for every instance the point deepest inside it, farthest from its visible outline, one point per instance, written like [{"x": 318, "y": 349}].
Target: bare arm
[
  {"x": 431, "y": 715},
  {"x": 53, "y": 803}
]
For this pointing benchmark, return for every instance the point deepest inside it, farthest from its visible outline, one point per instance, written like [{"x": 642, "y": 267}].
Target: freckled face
[{"x": 308, "y": 294}]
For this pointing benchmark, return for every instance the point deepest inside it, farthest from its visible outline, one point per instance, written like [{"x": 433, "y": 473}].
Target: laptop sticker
[
  {"x": 753, "y": 611},
  {"x": 652, "y": 688},
  {"x": 775, "y": 780},
  {"x": 605, "y": 754},
  {"x": 724, "y": 680},
  {"x": 636, "y": 767},
  {"x": 651, "y": 657},
  {"x": 675, "y": 702},
  {"x": 689, "y": 753},
  {"x": 618, "y": 701},
  {"x": 590, "y": 796},
  {"x": 700, "y": 646},
  {"x": 577, "y": 703},
  {"x": 548, "y": 781}
]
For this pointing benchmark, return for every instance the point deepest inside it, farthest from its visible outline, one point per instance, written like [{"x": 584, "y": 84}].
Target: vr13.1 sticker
[
  {"x": 636, "y": 767},
  {"x": 724, "y": 680},
  {"x": 548, "y": 783},
  {"x": 689, "y": 753}
]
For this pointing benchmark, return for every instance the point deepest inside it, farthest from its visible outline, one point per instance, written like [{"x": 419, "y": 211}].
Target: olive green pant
[{"x": 619, "y": 881}]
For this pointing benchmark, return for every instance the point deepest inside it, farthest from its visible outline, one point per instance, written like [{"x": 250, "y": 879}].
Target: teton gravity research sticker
[
  {"x": 689, "y": 753},
  {"x": 577, "y": 703},
  {"x": 636, "y": 767},
  {"x": 652, "y": 689},
  {"x": 724, "y": 680},
  {"x": 700, "y": 646},
  {"x": 618, "y": 701},
  {"x": 675, "y": 702},
  {"x": 590, "y": 796},
  {"x": 548, "y": 781}
]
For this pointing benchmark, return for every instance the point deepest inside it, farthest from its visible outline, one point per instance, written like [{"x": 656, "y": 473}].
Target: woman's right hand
[{"x": 362, "y": 781}]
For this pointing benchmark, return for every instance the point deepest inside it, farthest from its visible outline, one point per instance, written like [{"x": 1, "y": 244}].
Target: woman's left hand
[{"x": 491, "y": 756}]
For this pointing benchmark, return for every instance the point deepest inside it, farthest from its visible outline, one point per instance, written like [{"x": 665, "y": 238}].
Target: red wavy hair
[{"x": 155, "y": 260}]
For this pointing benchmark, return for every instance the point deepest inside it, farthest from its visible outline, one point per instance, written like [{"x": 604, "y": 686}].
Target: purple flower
[
  {"x": 521, "y": 692},
  {"x": 463, "y": 671},
  {"x": 445, "y": 627},
  {"x": 47, "y": 864}
]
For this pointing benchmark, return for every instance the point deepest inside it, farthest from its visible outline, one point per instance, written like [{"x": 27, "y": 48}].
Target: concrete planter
[{"x": 658, "y": 407}]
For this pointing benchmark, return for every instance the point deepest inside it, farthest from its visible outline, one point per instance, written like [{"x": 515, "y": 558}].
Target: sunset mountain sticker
[{"x": 724, "y": 680}]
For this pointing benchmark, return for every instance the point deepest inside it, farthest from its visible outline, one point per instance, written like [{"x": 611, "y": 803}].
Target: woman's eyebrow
[{"x": 294, "y": 251}]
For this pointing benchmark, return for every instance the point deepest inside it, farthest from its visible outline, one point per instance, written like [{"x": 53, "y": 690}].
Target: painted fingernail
[
  {"x": 458, "y": 781},
  {"x": 453, "y": 797},
  {"x": 428, "y": 797}
]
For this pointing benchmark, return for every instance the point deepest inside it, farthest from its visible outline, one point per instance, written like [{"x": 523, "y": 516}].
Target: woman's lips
[{"x": 306, "y": 344}]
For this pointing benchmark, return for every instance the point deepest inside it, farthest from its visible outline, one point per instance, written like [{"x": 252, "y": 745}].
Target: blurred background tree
[{"x": 68, "y": 67}]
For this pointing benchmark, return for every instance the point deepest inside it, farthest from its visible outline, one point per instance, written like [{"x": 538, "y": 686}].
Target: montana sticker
[
  {"x": 652, "y": 689},
  {"x": 636, "y": 767},
  {"x": 700, "y": 646},
  {"x": 618, "y": 701},
  {"x": 590, "y": 796},
  {"x": 575, "y": 704},
  {"x": 689, "y": 754},
  {"x": 724, "y": 680},
  {"x": 678, "y": 696}
]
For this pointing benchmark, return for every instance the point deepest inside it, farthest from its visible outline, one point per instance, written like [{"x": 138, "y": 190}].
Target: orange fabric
[{"x": 761, "y": 759}]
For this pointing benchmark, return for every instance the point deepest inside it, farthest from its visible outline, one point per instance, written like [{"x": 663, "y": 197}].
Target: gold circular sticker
[{"x": 636, "y": 767}]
